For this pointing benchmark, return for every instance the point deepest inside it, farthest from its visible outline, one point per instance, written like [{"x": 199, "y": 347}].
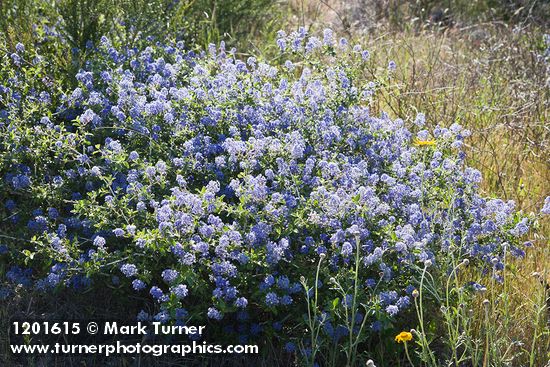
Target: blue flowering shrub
[{"x": 264, "y": 199}]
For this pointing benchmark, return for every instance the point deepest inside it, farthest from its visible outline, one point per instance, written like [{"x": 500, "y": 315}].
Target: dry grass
[
  {"x": 496, "y": 88},
  {"x": 489, "y": 78}
]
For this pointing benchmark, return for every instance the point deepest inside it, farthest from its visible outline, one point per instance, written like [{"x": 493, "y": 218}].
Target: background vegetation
[{"x": 480, "y": 63}]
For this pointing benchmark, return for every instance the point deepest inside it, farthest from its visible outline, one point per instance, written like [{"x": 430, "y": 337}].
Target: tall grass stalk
[
  {"x": 427, "y": 354},
  {"x": 315, "y": 322}
]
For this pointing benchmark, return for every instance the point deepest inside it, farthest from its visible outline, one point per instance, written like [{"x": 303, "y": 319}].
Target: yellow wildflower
[
  {"x": 403, "y": 336},
  {"x": 423, "y": 143}
]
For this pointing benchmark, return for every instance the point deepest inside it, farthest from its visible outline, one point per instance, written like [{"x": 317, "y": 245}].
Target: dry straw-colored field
[{"x": 490, "y": 78}]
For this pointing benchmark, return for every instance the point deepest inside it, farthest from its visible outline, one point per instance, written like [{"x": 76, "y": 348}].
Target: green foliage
[
  {"x": 84, "y": 20},
  {"x": 127, "y": 21},
  {"x": 16, "y": 20},
  {"x": 213, "y": 20}
]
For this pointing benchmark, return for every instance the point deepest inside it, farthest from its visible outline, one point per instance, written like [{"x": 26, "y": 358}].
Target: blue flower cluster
[{"x": 215, "y": 184}]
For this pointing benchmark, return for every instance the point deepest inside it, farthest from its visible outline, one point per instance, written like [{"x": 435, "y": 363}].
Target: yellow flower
[
  {"x": 403, "y": 336},
  {"x": 423, "y": 143}
]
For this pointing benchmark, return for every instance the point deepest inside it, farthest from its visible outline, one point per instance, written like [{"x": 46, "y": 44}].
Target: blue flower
[
  {"x": 241, "y": 302},
  {"x": 521, "y": 228},
  {"x": 20, "y": 48},
  {"x": 286, "y": 300},
  {"x": 95, "y": 171},
  {"x": 89, "y": 117},
  {"x": 156, "y": 292},
  {"x": 283, "y": 282},
  {"x": 99, "y": 241},
  {"x": 347, "y": 249},
  {"x": 403, "y": 302},
  {"x": 214, "y": 314},
  {"x": 546, "y": 207},
  {"x": 290, "y": 347},
  {"x": 169, "y": 275},
  {"x": 392, "y": 310},
  {"x": 133, "y": 155},
  {"x": 328, "y": 37},
  {"x": 16, "y": 59},
  {"x": 180, "y": 291},
  {"x": 10, "y": 205},
  {"x": 181, "y": 313},
  {"x": 143, "y": 316},
  {"x": 20, "y": 181},
  {"x": 138, "y": 285},
  {"x": 162, "y": 316},
  {"x": 389, "y": 297},
  {"x": 420, "y": 120},
  {"x": 128, "y": 270},
  {"x": 271, "y": 299}
]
